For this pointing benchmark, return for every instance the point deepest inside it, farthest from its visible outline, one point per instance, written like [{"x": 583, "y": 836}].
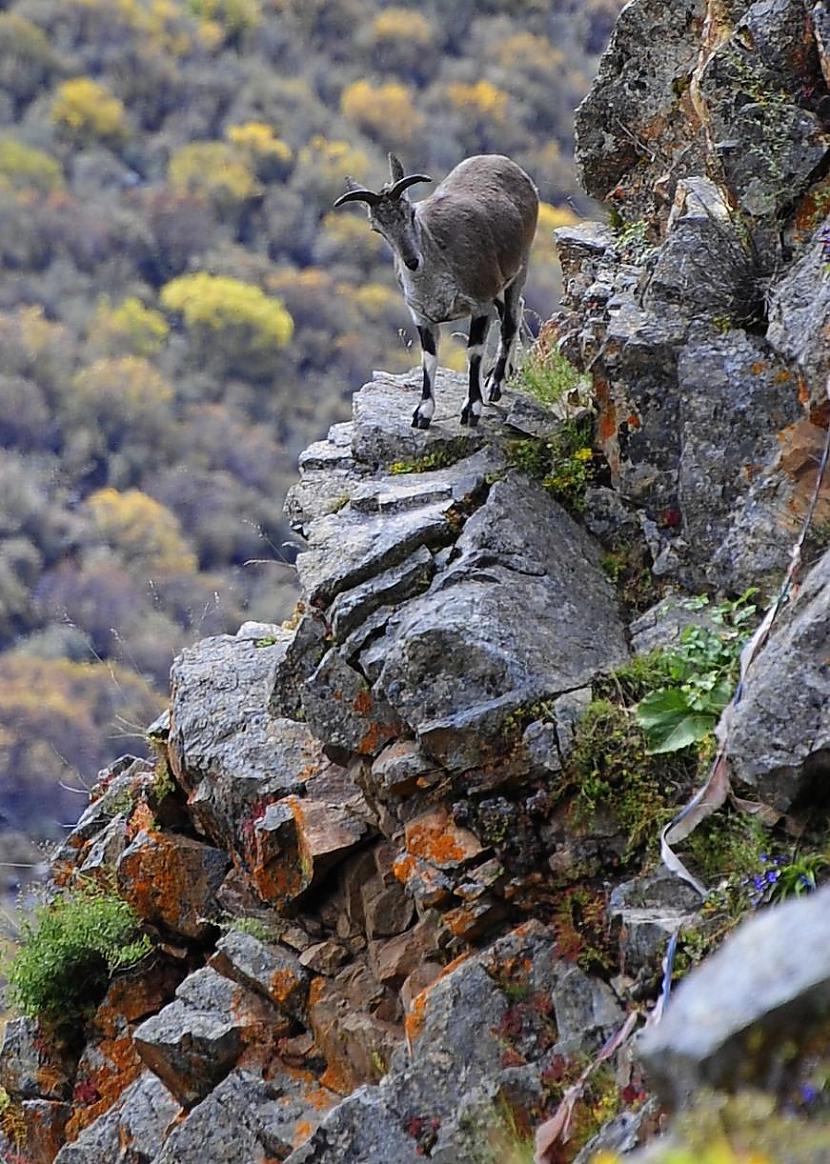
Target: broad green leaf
[{"x": 670, "y": 723}]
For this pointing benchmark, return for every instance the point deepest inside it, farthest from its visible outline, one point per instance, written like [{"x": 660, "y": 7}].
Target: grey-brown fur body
[{"x": 461, "y": 251}]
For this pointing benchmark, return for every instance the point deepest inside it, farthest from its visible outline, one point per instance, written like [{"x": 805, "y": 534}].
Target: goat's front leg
[
  {"x": 429, "y": 348},
  {"x": 475, "y": 351}
]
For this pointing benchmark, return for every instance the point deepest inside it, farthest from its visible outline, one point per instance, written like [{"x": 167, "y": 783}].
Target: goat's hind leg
[
  {"x": 510, "y": 312},
  {"x": 475, "y": 351},
  {"x": 422, "y": 416}
]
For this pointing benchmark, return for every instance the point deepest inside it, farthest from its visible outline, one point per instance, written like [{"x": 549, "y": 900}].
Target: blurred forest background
[{"x": 181, "y": 311}]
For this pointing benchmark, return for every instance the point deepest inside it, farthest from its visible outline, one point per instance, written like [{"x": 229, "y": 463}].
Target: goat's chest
[{"x": 434, "y": 295}]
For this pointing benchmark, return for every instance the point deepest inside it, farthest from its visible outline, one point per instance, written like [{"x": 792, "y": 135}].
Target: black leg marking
[
  {"x": 475, "y": 347},
  {"x": 422, "y": 415}
]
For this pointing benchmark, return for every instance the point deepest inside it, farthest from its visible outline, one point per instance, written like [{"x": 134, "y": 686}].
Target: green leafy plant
[
  {"x": 701, "y": 671},
  {"x": 797, "y": 877},
  {"x": 69, "y": 950}
]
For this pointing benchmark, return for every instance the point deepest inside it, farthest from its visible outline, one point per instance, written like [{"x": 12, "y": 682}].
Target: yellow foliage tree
[
  {"x": 141, "y": 530},
  {"x": 323, "y": 163},
  {"x": 25, "y": 168},
  {"x": 343, "y": 238},
  {"x": 234, "y": 322},
  {"x": 480, "y": 102},
  {"x": 60, "y": 721},
  {"x": 88, "y": 111},
  {"x": 550, "y": 219},
  {"x": 125, "y": 397},
  {"x": 265, "y": 152},
  {"x": 26, "y": 57},
  {"x": 529, "y": 54},
  {"x": 375, "y": 301},
  {"x": 129, "y": 328},
  {"x": 386, "y": 112},
  {"x": 235, "y": 16},
  {"x": 403, "y": 24},
  {"x": 213, "y": 170},
  {"x": 401, "y": 39}
]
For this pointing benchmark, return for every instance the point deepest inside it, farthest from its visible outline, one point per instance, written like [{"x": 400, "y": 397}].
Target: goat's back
[{"x": 484, "y": 214}]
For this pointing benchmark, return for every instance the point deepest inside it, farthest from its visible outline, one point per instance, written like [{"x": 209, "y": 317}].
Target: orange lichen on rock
[
  {"x": 319, "y": 1099},
  {"x": 363, "y": 702},
  {"x": 414, "y": 1021},
  {"x": 301, "y": 1133},
  {"x": 403, "y": 867},
  {"x": 141, "y": 820},
  {"x": 433, "y": 837},
  {"x": 338, "y": 1078},
  {"x": 283, "y": 985},
  {"x": 118, "y": 1065}
]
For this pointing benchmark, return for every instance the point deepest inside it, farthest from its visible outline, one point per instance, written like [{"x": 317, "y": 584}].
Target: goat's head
[{"x": 390, "y": 212}]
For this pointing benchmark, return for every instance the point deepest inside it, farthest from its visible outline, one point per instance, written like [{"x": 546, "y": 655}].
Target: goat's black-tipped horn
[
  {"x": 404, "y": 184},
  {"x": 396, "y": 169},
  {"x": 355, "y": 193}
]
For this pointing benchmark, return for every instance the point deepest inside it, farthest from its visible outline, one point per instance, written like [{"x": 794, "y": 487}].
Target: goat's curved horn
[
  {"x": 405, "y": 183},
  {"x": 356, "y": 193}
]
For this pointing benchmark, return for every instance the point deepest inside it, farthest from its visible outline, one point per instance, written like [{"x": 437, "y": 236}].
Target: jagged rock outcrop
[{"x": 382, "y": 913}]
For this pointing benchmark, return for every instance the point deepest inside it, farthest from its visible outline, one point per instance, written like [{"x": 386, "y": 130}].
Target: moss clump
[
  {"x": 163, "y": 783},
  {"x": 627, "y": 564},
  {"x": 252, "y": 926},
  {"x": 68, "y": 952},
  {"x": 610, "y": 767},
  {"x": 441, "y": 457},
  {"x": 565, "y": 463}
]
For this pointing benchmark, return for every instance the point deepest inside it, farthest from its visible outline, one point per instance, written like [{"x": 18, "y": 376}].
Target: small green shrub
[
  {"x": 69, "y": 950},
  {"x": 546, "y": 375}
]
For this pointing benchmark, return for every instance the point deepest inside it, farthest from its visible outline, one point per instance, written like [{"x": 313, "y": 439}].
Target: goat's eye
[{"x": 374, "y": 229}]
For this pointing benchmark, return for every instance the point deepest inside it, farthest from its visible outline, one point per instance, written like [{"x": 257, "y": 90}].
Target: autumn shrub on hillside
[
  {"x": 86, "y": 111},
  {"x": 233, "y": 324}
]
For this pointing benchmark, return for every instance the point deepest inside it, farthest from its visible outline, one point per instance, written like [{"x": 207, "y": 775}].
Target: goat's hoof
[
  {"x": 495, "y": 393},
  {"x": 468, "y": 417},
  {"x": 419, "y": 421}
]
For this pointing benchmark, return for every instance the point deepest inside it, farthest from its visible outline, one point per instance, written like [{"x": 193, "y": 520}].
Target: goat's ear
[{"x": 396, "y": 169}]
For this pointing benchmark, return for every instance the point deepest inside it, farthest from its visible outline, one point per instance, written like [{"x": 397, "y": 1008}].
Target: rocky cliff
[{"x": 398, "y": 858}]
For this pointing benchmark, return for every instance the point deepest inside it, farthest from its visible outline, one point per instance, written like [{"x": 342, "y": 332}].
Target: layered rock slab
[{"x": 522, "y": 612}]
